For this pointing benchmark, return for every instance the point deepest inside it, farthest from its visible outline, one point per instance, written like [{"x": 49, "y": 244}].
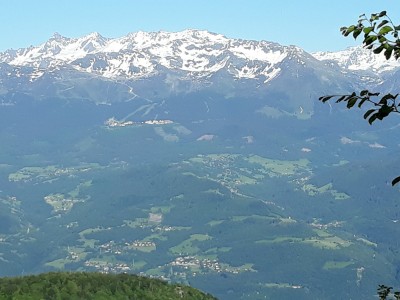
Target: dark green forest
[{"x": 63, "y": 285}]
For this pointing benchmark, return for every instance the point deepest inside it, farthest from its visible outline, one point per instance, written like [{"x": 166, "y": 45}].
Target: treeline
[{"x": 63, "y": 285}]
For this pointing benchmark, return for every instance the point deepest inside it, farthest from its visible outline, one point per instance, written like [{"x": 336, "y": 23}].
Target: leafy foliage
[
  {"x": 380, "y": 34},
  {"x": 94, "y": 286},
  {"x": 385, "y": 291},
  {"x": 383, "y": 106}
]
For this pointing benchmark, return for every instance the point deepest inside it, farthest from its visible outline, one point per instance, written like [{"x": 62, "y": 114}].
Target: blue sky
[{"x": 311, "y": 24}]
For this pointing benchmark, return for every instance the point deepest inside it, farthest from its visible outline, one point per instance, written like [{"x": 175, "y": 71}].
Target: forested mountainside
[{"x": 61, "y": 285}]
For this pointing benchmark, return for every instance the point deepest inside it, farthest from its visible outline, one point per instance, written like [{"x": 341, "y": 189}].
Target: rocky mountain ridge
[
  {"x": 359, "y": 59},
  {"x": 143, "y": 54},
  {"x": 156, "y": 65},
  {"x": 196, "y": 52}
]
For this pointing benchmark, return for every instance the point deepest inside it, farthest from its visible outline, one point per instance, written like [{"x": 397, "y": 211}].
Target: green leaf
[
  {"x": 367, "y": 30},
  {"x": 370, "y": 39},
  {"x": 347, "y": 30},
  {"x": 384, "y": 22},
  {"x": 325, "y": 98},
  {"x": 388, "y": 52},
  {"x": 351, "y": 102},
  {"x": 387, "y": 97},
  {"x": 372, "y": 119},
  {"x": 373, "y": 94},
  {"x": 396, "y": 180},
  {"x": 384, "y": 111},
  {"x": 382, "y": 40},
  {"x": 385, "y": 30},
  {"x": 341, "y": 98},
  {"x": 362, "y": 101},
  {"x": 382, "y": 13},
  {"x": 345, "y": 98},
  {"x": 368, "y": 113},
  {"x": 356, "y": 33},
  {"x": 373, "y": 17},
  {"x": 379, "y": 49}
]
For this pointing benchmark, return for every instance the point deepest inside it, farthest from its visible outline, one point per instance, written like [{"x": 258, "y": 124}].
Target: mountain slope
[
  {"x": 158, "y": 65},
  {"x": 359, "y": 59},
  {"x": 141, "y": 54}
]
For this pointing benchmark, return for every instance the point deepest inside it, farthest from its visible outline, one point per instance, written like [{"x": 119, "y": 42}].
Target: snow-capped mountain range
[
  {"x": 140, "y": 54},
  {"x": 158, "y": 64},
  {"x": 196, "y": 52},
  {"x": 359, "y": 59}
]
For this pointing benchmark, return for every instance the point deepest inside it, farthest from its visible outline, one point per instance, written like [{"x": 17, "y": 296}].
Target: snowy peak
[
  {"x": 91, "y": 42},
  {"x": 56, "y": 50},
  {"x": 359, "y": 59},
  {"x": 156, "y": 65},
  {"x": 58, "y": 38},
  {"x": 195, "y": 53},
  {"x": 189, "y": 53}
]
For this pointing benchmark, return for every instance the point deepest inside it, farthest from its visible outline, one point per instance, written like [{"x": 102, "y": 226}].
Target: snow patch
[{"x": 206, "y": 137}]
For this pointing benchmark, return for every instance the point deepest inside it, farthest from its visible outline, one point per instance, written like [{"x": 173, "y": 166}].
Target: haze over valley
[{"x": 201, "y": 159}]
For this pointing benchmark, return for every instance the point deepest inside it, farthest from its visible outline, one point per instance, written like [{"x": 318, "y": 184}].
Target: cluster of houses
[
  {"x": 112, "y": 247},
  {"x": 72, "y": 255},
  {"x": 105, "y": 267},
  {"x": 144, "y": 244},
  {"x": 333, "y": 224},
  {"x": 112, "y": 122},
  {"x": 59, "y": 203},
  {"x": 163, "y": 229},
  {"x": 192, "y": 262}
]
